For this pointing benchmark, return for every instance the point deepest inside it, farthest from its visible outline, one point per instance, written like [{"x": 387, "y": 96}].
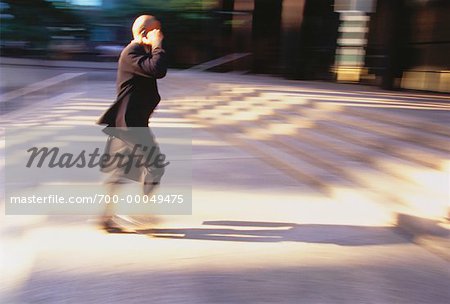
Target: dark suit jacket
[{"x": 137, "y": 91}]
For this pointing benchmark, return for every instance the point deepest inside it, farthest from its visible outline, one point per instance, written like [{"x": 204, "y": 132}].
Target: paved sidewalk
[{"x": 261, "y": 231}]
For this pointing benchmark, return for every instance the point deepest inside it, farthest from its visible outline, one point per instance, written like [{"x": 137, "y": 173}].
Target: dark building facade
[
  {"x": 409, "y": 44},
  {"x": 391, "y": 43}
]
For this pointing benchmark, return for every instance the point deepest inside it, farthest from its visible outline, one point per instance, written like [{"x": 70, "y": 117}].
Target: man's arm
[{"x": 144, "y": 64}]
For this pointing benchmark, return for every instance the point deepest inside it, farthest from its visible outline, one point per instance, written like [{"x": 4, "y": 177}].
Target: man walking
[{"x": 141, "y": 62}]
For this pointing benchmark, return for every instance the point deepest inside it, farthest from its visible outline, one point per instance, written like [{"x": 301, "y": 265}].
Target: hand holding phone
[{"x": 153, "y": 38}]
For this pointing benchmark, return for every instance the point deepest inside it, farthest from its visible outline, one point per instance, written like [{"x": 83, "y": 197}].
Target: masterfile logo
[{"x": 68, "y": 170}]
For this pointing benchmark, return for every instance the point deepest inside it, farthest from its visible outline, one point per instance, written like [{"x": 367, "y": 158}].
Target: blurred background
[
  {"x": 389, "y": 43},
  {"x": 319, "y": 133}
]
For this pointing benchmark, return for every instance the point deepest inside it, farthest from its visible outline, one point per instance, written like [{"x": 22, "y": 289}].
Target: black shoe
[{"x": 111, "y": 226}]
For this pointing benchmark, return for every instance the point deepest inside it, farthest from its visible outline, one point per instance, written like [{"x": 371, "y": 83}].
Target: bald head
[{"x": 144, "y": 23}]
